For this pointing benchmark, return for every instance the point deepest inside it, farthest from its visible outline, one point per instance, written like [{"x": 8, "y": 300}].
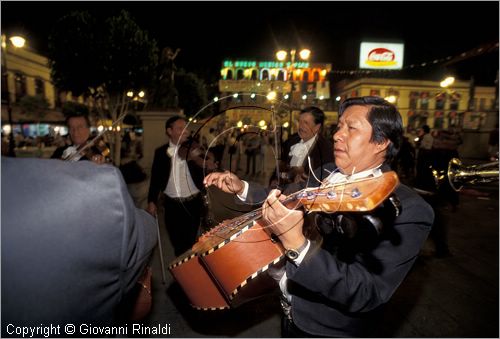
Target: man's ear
[{"x": 382, "y": 146}]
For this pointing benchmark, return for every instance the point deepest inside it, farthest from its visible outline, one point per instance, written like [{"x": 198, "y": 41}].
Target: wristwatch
[{"x": 293, "y": 253}]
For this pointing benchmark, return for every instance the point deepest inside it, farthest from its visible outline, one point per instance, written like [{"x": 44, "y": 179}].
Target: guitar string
[{"x": 257, "y": 211}]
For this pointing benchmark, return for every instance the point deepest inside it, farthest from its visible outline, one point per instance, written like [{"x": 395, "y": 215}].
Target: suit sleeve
[
  {"x": 370, "y": 279},
  {"x": 138, "y": 242}
]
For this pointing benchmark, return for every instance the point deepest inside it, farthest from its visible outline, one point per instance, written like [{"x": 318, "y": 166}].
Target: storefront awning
[{"x": 48, "y": 116}]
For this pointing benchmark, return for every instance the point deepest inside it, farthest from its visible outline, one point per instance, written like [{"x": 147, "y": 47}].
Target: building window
[
  {"x": 240, "y": 75},
  {"x": 482, "y": 104},
  {"x": 265, "y": 74},
  {"x": 440, "y": 100},
  {"x": 281, "y": 76},
  {"x": 424, "y": 100},
  {"x": 254, "y": 75},
  {"x": 416, "y": 120},
  {"x": 453, "y": 119},
  {"x": 414, "y": 100},
  {"x": 438, "y": 120},
  {"x": 316, "y": 76},
  {"x": 305, "y": 76},
  {"x": 20, "y": 85},
  {"x": 40, "y": 87},
  {"x": 454, "y": 101},
  {"x": 375, "y": 92},
  {"x": 229, "y": 75}
]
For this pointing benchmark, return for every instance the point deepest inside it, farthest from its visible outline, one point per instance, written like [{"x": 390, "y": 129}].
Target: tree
[
  {"x": 71, "y": 108},
  {"x": 106, "y": 58},
  {"x": 34, "y": 105},
  {"x": 192, "y": 92}
]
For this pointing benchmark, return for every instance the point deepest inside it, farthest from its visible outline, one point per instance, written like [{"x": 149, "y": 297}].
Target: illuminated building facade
[
  {"x": 248, "y": 82},
  {"x": 427, "y": 103}
]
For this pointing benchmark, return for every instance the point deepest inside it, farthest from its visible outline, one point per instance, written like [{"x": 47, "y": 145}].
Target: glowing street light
[
  {"x": 271, "y": 96},
  {"x": 17, "y": 42},
  {"x": 281, "y": 55},
  {"x": 391, "y": 99},
  {"x": 447, "y": 82}
]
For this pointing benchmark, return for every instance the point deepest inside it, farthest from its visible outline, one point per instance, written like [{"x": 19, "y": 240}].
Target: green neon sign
[{"x": 263, "y": 64}]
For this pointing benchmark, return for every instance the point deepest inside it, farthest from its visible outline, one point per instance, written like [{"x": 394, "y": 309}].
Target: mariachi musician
[
  {"x": 79, "y": 132},
  {"x": 178, "y": 171},
  {"x": 337, "y": 287},
  {"x": 307, "y": 144}
]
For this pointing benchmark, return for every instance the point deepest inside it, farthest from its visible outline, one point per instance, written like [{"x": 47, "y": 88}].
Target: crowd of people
[{"x": 338, "y": 270}]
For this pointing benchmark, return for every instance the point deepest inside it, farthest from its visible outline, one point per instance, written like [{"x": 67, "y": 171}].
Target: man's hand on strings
[
  {"x": 226, "y": 181},
  {"x": 285, "y": 223}
]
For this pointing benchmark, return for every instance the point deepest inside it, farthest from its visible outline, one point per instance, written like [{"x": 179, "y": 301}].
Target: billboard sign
[{"x": 381, "y": 55}]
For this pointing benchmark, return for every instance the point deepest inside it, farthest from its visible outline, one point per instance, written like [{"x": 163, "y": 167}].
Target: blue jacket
[{"x": 73, "y": 243}]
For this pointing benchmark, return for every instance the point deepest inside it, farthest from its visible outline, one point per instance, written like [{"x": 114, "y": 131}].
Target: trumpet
[{"x": 458, "y": 174}]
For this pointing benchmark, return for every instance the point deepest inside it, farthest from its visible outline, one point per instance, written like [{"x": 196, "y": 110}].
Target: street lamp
[
  {"x": 281, "y": 55},
  {"x": 17, "y": 42},
  {"x": 447, "y": 82}
]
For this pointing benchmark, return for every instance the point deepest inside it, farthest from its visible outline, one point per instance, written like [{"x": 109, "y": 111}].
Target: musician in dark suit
[
  {"x": 337, "y": 287},
  {"x": 79, "y": 133},
  {"x": 308, "y": 144},
  {"x": 179, "y": 176},
  {"x": 73, "y": 244}
]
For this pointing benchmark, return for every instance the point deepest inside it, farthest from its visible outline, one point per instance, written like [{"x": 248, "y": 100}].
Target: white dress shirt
[
  {"x": 180, "y": 183},
  {"x": 300, "y": 150}
]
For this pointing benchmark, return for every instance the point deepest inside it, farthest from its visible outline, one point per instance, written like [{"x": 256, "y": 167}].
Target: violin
[
  {"x": 191, "y": 150},
  {"x": 96, "y": 146}
]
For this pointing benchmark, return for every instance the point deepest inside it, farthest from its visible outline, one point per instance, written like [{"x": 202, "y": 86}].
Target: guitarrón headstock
[{"x": 361, "y": 195}]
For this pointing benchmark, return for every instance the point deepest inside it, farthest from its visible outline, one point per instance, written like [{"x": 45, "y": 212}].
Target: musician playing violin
[
  {"x": 337, "y": 287},
  {"x": 307, "y": 146},
  {"x": 79, "y": 133},
  {"x": 177, "y": 172}
]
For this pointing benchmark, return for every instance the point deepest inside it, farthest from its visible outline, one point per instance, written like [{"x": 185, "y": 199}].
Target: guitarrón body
[{"x": 224, "y": 267}]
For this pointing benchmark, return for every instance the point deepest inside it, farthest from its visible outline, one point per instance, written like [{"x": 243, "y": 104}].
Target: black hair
[
  {"x": 318, "y": 114},
  {"x": 385, "y": 120},
  {"x": 78, "y": 115},
  {"x": 426, "y": 129},
  {"x": 172, "y": 120}
]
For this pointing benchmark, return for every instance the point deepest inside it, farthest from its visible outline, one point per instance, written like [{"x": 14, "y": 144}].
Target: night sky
[{"x": 208, "y": 32}]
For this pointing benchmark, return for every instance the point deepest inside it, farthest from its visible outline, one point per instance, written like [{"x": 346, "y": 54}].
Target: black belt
[{"x": 184, "y": 199}]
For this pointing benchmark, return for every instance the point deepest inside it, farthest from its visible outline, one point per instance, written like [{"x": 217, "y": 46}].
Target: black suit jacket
[
  {"x": 160, "y": 173},
  {"x": 73, "y": 243},
  {"x": 321, "y": 153},
  {"x": 338, "y": 295}
]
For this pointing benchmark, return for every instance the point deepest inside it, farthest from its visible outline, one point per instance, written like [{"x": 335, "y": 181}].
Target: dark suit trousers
[{"x": 182, "y": 220}]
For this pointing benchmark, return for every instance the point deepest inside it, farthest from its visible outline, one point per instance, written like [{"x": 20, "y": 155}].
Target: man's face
[
  {"x": 353, "y": 150},
  {"x": 178, "y": 132},
  {"x": 307, "y": 127},
  {"x": 79, "y": 131}
]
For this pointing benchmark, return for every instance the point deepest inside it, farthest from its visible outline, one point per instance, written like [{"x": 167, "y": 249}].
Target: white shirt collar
[{"x": 338, "y": 177}]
